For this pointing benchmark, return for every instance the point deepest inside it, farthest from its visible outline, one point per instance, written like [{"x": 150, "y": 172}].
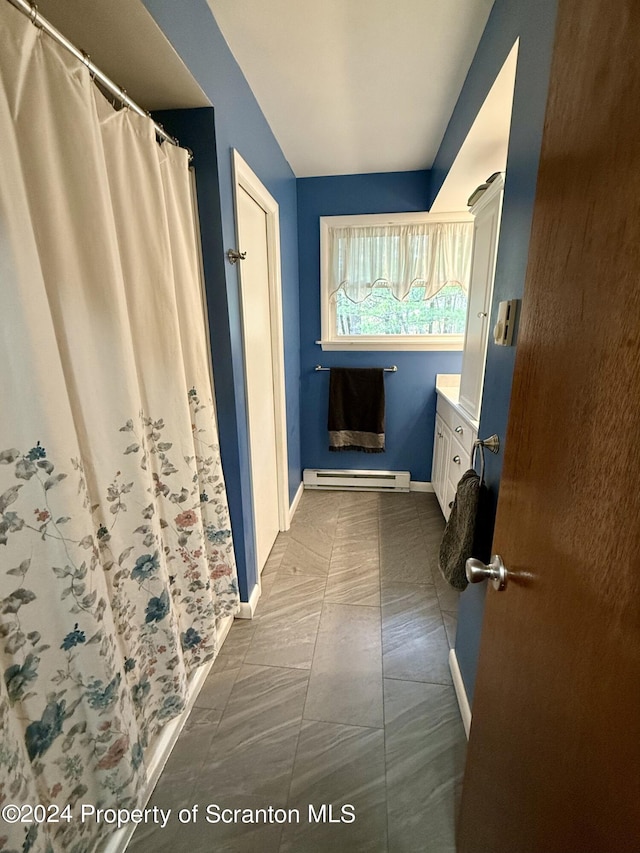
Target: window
[{"x": 395, "y": 281}]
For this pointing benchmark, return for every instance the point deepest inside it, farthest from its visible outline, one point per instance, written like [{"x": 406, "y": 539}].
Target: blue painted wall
[
  {"x": 410, "y": 393},
  {"x": 534, "y": 24},
  {"x": 196, "y": 130},
  {"x": 240, "y": 124}
]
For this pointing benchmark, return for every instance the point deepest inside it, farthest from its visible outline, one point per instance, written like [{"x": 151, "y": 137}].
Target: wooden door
[
  {"x": 554, "y": 754},
  {"x": 259, "y": 371}
]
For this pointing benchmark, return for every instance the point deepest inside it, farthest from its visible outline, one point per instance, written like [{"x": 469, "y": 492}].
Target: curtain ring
[
  {"x": 33, "y": 14},
  {"x": 86, "y": 59}
]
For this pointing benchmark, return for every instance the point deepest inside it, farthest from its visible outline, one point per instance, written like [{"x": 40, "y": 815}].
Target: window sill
[{"x": 448, "y": 343}]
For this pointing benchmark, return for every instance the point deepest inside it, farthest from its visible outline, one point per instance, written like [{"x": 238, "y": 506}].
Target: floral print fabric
[{"x": 116, "y": 553}]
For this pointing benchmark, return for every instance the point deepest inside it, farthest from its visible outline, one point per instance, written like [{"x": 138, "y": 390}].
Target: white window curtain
[
  {"x": 116, "y": 553},
  {"x": 400, "y": 257}
]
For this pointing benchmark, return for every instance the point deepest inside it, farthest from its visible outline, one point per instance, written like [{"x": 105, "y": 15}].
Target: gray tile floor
[{"x": 337, "y": 692}]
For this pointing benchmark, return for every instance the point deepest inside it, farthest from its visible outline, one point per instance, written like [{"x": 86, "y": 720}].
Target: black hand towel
[
  {"x": 356, "y": 409},
  {"x": 461, "y": 535}
]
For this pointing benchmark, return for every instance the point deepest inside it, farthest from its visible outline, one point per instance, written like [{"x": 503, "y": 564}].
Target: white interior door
[{"x": 259, "y": 370}]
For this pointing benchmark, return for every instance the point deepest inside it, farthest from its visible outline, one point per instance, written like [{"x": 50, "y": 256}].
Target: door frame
[{"x": 245, "y": 178}]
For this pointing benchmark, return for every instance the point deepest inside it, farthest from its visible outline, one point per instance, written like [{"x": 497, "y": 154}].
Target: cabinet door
[
  {"x": 441, "y": 445},
  {"x": 458, "y": 461},
  {"x": 485, "y": 244},
  {"x": 449, "y": 495}
]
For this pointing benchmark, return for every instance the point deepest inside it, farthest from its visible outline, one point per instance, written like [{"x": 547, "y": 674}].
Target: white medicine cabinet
[
  {"x": 460, "y": 396},
  {"x": 487, "y": 211}
]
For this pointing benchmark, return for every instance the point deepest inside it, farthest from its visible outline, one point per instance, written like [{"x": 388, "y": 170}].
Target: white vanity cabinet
[
  {"x": 441, "y": 445},
  {"x": 486, "y": 226},
  {"x": 453, "y": 442},
  {"x": 460, "y": 396}
]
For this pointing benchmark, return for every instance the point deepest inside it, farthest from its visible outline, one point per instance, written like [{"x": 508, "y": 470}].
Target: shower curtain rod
[{"x": 31, "y": 11}]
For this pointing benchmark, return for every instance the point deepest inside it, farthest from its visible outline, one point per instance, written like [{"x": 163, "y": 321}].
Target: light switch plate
[{"x": 503, "y": 329}]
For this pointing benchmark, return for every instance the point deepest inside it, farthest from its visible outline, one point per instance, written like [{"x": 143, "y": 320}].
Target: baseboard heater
[{"x": 356, "y": 481}]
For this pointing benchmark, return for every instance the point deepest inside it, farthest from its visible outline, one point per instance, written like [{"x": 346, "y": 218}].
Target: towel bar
[{"x": 392, "y": 369}]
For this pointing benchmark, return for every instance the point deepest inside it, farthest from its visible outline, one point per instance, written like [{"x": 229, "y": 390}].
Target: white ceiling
[
  {"x": 348, "y": 86},
  {"x": 353, "y": 86},
  {"x": 484, "y": 150},
  {"x": 126, "y": 43}
]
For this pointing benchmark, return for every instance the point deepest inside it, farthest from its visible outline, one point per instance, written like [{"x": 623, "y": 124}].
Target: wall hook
[{"x": 235, "y": 256}]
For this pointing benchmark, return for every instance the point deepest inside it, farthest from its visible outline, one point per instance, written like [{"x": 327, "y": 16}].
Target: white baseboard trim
[
  {"x": 419, "y": 486},
  {"x": 161, "y": 747},
  {"x": 296, "y": 501},
  {"x": 248, "y": 608},
  {"x": 461, "y": 693}
]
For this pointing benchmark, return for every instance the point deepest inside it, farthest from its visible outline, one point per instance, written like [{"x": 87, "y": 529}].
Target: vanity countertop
[{"x": 448, "y": 386}]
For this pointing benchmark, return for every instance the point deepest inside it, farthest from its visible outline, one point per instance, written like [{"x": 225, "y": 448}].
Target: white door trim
[{"x": 244, "y": 178}]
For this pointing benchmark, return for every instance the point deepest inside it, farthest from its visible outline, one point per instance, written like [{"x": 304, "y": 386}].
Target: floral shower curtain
[{"x": 116, "y": 556}]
